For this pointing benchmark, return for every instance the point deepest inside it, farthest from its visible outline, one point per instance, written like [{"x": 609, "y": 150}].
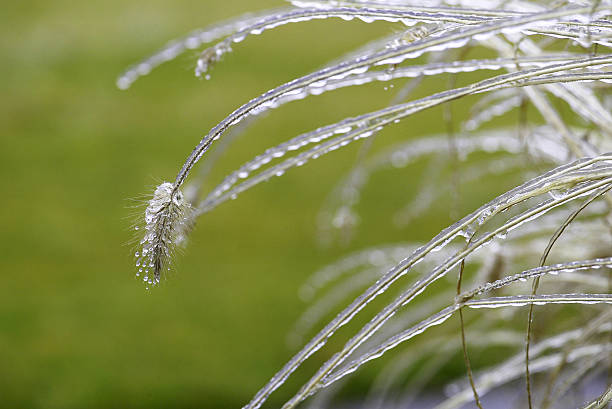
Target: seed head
[{"x": 165, "y": 219}]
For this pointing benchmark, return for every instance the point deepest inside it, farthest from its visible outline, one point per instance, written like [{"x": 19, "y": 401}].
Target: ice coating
[
  {"x": 191, "y": 41},
  {"x": 367, "y": 15},
  {"x": 251, "y": 23},
  {"x": 493, "y": 302}
]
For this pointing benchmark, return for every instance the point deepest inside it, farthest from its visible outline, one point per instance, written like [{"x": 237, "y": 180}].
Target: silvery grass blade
[
  {"x": 193, "y": 189},
  {"x": 454, "y": 39},
  {"x": 560, "y": 176},
  {"x": 582, "y": 32},
  {"x": 191, "y": 41},
  {"x": 398, "y": 323},
  {"x": 494, "y": 10},
  {"x": 367, "y": 15},
  {"x": 417, "y": 71},
  {"x": 576, "y": 146},
  {"x": 602, "y": 401},
  {"x": 484, "y": 6},
  {"x": 366, "y": 125},
  {"x": 434, "y": 17}
]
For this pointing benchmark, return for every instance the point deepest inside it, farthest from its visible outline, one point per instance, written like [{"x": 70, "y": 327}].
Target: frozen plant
[{"x": 553, "y": 227}]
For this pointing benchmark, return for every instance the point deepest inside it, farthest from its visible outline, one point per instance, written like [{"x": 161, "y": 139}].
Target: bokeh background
[{"x": 76, "y": 328}]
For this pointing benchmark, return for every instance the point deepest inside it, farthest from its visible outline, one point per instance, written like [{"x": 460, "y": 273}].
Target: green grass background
[{"x": 76, "y": 328}]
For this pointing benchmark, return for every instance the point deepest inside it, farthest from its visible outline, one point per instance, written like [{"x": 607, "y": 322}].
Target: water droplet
[
  {"x": 557, "y": 194},
  {"x": 502, "y": 234}
]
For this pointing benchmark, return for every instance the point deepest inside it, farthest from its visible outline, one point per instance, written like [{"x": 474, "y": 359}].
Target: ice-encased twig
[{"x": 191, "y": 41}]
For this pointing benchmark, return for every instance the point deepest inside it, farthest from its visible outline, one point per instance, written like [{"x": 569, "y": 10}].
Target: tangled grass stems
[
  {"x": 375, "y": 122},
  {"x": 518, "y": 195},
  {"x": 465, "y": 299}
]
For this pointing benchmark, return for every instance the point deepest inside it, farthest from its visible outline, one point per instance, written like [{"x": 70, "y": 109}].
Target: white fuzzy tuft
[{"x": 165, "y": 218}]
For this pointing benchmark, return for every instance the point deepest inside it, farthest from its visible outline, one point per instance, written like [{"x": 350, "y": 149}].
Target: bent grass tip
[{"x": 166, "y": 218}]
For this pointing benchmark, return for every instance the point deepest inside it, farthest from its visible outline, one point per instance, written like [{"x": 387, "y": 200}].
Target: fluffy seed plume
[{"x": 166, "y": 216}]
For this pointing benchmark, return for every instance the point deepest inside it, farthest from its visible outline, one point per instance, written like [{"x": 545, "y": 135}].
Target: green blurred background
[{"x": 76, "y": 328}]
